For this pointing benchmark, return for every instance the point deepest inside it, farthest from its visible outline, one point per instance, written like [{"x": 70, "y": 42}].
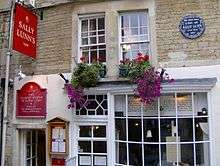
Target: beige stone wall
[{"x": 173, "y": 48}]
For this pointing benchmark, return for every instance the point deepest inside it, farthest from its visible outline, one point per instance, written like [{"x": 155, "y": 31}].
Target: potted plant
[{"x": 124, "y": 68}]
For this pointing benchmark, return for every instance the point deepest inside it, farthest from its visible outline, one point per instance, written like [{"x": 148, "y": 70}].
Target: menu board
[{"x": 58, "y": 140}]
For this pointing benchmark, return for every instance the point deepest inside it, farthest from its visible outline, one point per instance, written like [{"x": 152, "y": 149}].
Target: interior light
[{"x": 136, "y": 124}]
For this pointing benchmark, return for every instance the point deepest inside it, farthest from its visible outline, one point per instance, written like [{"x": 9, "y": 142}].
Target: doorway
[{"x": 33, "y": 148}]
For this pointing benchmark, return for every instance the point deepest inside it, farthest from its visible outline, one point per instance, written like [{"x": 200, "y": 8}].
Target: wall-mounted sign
[
  {"x": 192, "y": 26},
  {"x": 31, "y": 101},
  {"x": 25, "y": 31}
]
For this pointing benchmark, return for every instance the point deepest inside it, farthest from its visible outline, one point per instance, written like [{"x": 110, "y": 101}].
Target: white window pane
[
  {"x": 92, "y": 24},
  {"x": 143, "y": 19},
  {"x": 101, "y": 23},
  {"x": 84, "y": 25},
  {"x": 134, "y": 20},
  {"x": 134, "y": 31},
  {"x": 143, "y": 30},
  {"x": 124, "y": 21}
]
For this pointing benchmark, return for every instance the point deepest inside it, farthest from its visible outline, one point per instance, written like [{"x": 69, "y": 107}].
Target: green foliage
[{"x": 86, "y": 75}]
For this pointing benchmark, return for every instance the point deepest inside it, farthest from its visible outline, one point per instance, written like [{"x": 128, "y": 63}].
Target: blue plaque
[{"x": 192, "y": 26}]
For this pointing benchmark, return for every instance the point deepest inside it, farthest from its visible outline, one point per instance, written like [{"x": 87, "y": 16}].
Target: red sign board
[
  {"x": 58, "y": 162},
  {"x": 31, "y": 101},
  {"x": 25, "y": 31}
]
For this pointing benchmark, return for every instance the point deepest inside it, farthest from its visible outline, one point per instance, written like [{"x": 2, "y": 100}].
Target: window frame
[
  {"x": 87, "y": 17},
  {"x": 193, "y": 142}
]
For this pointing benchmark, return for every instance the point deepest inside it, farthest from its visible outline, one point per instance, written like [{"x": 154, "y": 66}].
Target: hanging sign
[
  {"x": 192, "y": 26},
  {"x": 25, "y": 31},
  {"x": 31, "y": 101}
]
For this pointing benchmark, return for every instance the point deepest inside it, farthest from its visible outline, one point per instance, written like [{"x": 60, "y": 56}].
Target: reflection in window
[{"x": 168, "y": 132}]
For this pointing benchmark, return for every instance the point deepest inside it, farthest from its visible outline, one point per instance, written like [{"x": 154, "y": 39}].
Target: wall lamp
[{"x": 62, "y": 76}]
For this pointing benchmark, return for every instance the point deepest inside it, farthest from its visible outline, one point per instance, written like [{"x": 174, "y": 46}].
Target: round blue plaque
[{"x": 192, "y": 26}]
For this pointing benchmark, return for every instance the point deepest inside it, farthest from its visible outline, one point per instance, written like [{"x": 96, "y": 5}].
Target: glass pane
[
  {"x": 124, "y": 21},
  {"x": 121, "y": 153},
  {"x": 99, "y": 98},
  {"x": 34, "y": 162},
  {"x": 135, "y": 154},
  {"x": 100, "y": 160},
  {"x": 134, "y": 31},
  {"x": 101, "y": 39},
  {"x": 93, "y": 40},
  {"x": 101, "y": 23},
  {"x": 92, "y": 25},
  {"x": 93, "y": 56},
  {"x": 28, "y": 151},
  {"x": 84, "y": 41},
  {"x": 84, "y": 25},
  {"x": 134, "y": 20},
  {"x": 168, "y": 130},
  {"x": 28, "y": 162},
  {"x": 201, "y": 129},
  {"x": 120, "y": 106},
  {"x": 151, "y": 109},
  {"x": 34, "y": 150},
  {"x": 186, "y": 155},
  {"x": 151, "y": 155},
  {"x": 185, "y": 130},
  {"x": 134, "y": 130},
  {"x": 85, "y": 131},
  {"x": 200, "y": 104},
  {"x": 143, "y": 19},
  {"x": 102, "y": 56},
  {"x": 92, "y": 104},
  {"x": 202, "y": 154},
  {"x": 169, "y": 154},
  {"x": 120, "y": 129},
  {"x": 167, "y": 105},
  {"x": 28, "y": 137},
  {"x": 143, "y": 30},
  {"x": 99, "y": 147},
  {"x": 184, "y": 104},
  {"x": 151, "y": 130},
  {"x": 99, "y": 131},
  {"x": 84, "y": 34},
  {"x": 134, "y": 106},
  {"x": 34, "y": 137},
  {"x": 84, "y": 146},
  {"x": 85, "y": 160}
]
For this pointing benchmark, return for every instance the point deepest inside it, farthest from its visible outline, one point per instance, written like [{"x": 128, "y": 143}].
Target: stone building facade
[{"x": 193, "y": 63}]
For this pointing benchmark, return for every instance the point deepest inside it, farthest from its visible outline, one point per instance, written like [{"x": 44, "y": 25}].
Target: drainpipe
[
  {"x": 1, "y": 121},
  {"x": 5, "y": 110}
]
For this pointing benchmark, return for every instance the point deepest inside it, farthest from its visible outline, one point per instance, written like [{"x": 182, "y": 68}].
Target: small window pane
[
  {"x": 101, "y": 23},
  {"x": 167, "y": 105},
  {"x": 92, "y": 33},
  {"x": 28, "y": 137},
  {"x": 201, "y": 104},
  {"x": 186, "y": 154},
  {"x": 134, "y": 20},
  {"x": 84, "y": 25},
  {"x": 120, "y": 106},
  {"x": 85, "y": 131},
  {"x": 92, "y": 24},
  {"x": 99, "y": 131},
  {"x": 135, "y": 154},
  {"x": 120, "y": 129},
  {"x": 184, "y": 104},
  {"x": 102, "y": 56},
  {"x": 121, "y": 153},
  {"x": 84, "y": 41},
  {"x": 134, "y": 31},
  {"x": 93, "y": 56},
  {"x": 185, "y": 130},
  {"x": 100, "y": 160},
  {"x": 28, "y": 153},
  {"x": 84, "y": 146},
  {"x": 124, "y": 21},
  {"x": 201, "y": 129},
  {"x": 151, "y": 130},
  {"x": 101, "y": 39},
  {"x": 169, "y": 154},
  {"x": 28, "y": 162},
  {"x": 134, "y": 106},
  {"x": 99, "y": 147},
  {"x": 168, "y": 130},
  {"x": 143, "y": 19},
  {"x": 151, "y": 155},
  {"x": 143, "y": 30},
  {"x": 202, "y": 154},
  {"x": 93, "y": 40},
  {"x": 134, "y": 130},
  {"x": 85, "y": 160}
]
